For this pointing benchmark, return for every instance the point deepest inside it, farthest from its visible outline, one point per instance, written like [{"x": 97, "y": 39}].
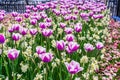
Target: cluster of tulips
[{"x": 58, "y": 40}]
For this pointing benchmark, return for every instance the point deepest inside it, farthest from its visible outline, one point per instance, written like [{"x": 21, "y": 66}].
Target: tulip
[
  {"x": 72, "y": 47},
  {"x": 13, "y": 54},
  {"x": 14, "y": 14},
  {"x": 16, "y": 36},
  {"x": 68, "y": 30},
  {"x": 62, "y": 25},
  {"x": 73, "y": 67},
  {"x": 40, "y": 50},
  {"x": 19, "y": 19},
  {"x": 10, "y": 29},
  {"x": 23, "y": 31},
  {"x": 1, "y": 17},
  {"x": 16, "y": 27},
  {"x": 2, "y": 38},
  {"x": 48, "y": 20},
  {"x": 78, "y": 27},
  {"x": 34, "y": 9},
  {"x": 69, "y": 37},
  {"x": 88, "y": 47},
  {"x": 99, "y": 45},
  {"x": 46, "y": 57},
  {"x": 47, "y": 32},
  {"x": 42, "y": 25},
  {"x": 60, "y": 45},
  {"x": 26, "y": 15},
  {"x": 33, "y": 21},
  {"x": 33, "y": 31}
]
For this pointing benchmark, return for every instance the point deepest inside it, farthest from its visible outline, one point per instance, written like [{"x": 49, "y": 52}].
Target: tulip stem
[
  {"x": 13, "y": 70},
  {"x": 70, "y": 76}
]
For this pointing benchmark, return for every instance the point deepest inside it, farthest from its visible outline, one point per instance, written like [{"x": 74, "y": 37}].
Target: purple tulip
[
  {"x": 88, "y": 47},
  {"x": 78, "y": 27},
  {"x": 72, "y": 47},
  {"x": 19, "y": 19},
  {"x": 14, "y": 14},
  {"x": 47, "y": 32},
  {"x": 13, "y": 54},
  {"x": 48, "y": 20},
  {"x": 40, "y": 50},
  {"x": 62, "y": 25},
  {"x": 33, "y": 21},
  {"x": 42, "y": 25},
  {"x": 16, "y": 27},
  {"x": 16, "y": 36},
  {"x": 84, "y": 15},
  {"x": 23, "y": 31},
  {"x": 73, "y": 67},
  {"x": 26, "y": 15},
  {"x": 99, "y": 45},
  {"x": 98, "y": 16},
  {"x": 33, "y": 31},
  {"x": 60, "y": 45},
  {"x": 68, "y": 30},
  {"x": 46, "y": 57},
  {"x": 69, "y": 37},
  {"x": 2, "y": 38},
  {"x": 10, "y": 29},
  {"x": 34, "y": 9},
  {"x": 1, "y": 17}
]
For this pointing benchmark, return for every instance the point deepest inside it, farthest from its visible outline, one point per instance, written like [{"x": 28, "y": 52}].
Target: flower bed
[{"x": 60, "y": 40}]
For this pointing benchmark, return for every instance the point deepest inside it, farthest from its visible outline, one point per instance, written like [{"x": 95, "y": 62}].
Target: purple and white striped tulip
[
  {"x": 13, "y": 54},
  {"x": 47, "y": 32},
  {"x": 23, "y": 31},
  {"x": 33, "y": 31},
  {"x": 69, "y": 37},
  {"x": 88, "y": 47},
  {"x": 46, "y": 57},
  {"x": 33, "y": 21},
  {"x": 99, "y": 45},
  {"x": 68, "y": 30},
  {"x": 73, "y": 67},
  {"x": 40, "y": 50},
  {"x": 60, "y": 45},
  {"x": 78, "y": 27},
  {"x": 62, "y": 25},
  {"x": 16, "y": 36}
]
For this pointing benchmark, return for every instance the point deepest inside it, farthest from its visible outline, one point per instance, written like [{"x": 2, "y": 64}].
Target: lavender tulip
[
  {"x": 16, "y": 36},
  {"x": 69, "y": 37},
  {"x": 33, "y": 31},
  {"x": 40, "y": 50},
  {"x": 73, "y": 67},
  {"x": 2, "y": 38},
  {"x": 13, "y": 54},
  {"x": 47, "y": 32},
  {"x": 46, "y": 57},
  {"x": 99, "y": 45},
  {"x": 88, "y": 47},
  {"x": 60, "y": 45}
]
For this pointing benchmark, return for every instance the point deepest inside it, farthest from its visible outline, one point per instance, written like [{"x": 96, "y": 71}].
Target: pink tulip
[
  {"x": 62, "y": 25},
  {"x": 23, "y": 31},
  {"x": 68, "y": 30},
  {"x": 14, "y": 14},
  {"x": 19, "y": 19},
  {"x": 33, "y": 21}
]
